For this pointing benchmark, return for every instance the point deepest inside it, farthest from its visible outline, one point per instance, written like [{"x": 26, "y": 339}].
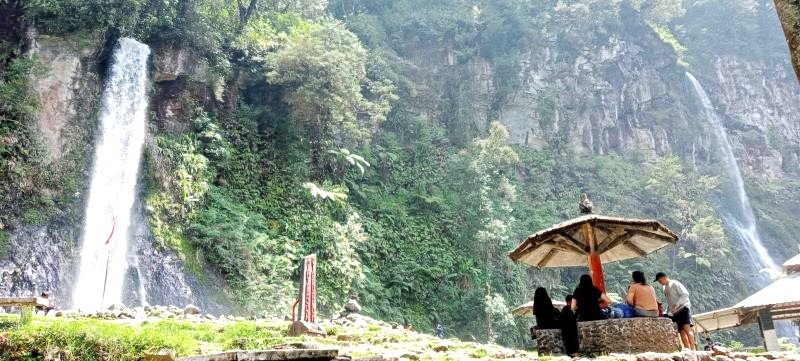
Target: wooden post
[
  {"x": 308, "y": 290},
  {"x": 595, "y": 265},
  {"x": 768, "y": 330},
  {"x": 305, "y": 323}
]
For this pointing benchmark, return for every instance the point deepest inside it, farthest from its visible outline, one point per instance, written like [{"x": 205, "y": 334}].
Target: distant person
[
  {"x": 710, "y": 345},
  {"x": 679, "y": 306},
  {"x": 546, "y": 314},
  {"x": 642, "y": 297},
  {"x": 569, "y": 328},
  {"x": 586, "y": 300},
  {"x": 439, "y": 331},
  {"x": 49, "y": 306}
]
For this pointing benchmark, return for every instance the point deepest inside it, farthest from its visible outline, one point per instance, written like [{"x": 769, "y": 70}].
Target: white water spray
[
  {"x": 743, "y": 219},
  {"x": 104, "y": 260}
]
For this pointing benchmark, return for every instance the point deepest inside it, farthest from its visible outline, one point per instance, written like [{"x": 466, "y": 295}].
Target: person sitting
[
  {"x": 586, "y": 300},
  {"x": 546, "y": 314},
  {"x": 49, "y": 306},
  {"x": 642, "y": 297}
]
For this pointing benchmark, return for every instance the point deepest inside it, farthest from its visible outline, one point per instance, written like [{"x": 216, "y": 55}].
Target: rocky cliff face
[
  {"x": 42, "y": 257},
  {"x": 625, "y": 94},
  {"x": 628, "y": 94},
  {"x": 45, "y": 257},
  {"x": 622, "y": 96},
  {"x": 760, "y": 103}
]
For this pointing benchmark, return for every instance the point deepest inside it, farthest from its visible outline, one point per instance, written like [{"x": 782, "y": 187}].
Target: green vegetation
[
  {"x": 89, "y": 339},
  {"x": 358, "y": 133},
  {"x": 102, "y": 340}
]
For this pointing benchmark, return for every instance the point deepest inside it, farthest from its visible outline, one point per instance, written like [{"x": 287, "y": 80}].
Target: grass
[
  {"x": 93, "y": 339},
  {"x": 89, "y": 339}
]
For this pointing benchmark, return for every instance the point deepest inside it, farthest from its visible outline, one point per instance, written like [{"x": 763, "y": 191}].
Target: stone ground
[{"x": 362, "y": 338}]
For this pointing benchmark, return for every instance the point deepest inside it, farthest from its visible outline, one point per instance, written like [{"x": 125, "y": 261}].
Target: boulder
[
  {"x": 161, "y": 355},
  {"x": 191, "y": 310},
  {"x": 653, "y": 356}
]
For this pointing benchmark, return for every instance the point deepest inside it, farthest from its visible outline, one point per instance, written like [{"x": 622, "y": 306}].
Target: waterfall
[
  {"x": 105, "y": 256},
  {"x": 739, "y": 216}
]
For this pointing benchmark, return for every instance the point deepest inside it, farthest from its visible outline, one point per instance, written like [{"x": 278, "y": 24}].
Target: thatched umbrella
[
  {"x": 601, "y": 239},
  {"x": 527, "y": 309}
]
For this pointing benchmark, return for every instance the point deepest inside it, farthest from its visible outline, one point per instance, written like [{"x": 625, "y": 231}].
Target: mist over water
[{"x": 104, "y": 253}]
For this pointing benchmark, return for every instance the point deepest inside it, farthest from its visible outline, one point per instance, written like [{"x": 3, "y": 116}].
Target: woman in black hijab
[
  {"x": 546, "y": 313},
  {"x": 587, "y": 298}
]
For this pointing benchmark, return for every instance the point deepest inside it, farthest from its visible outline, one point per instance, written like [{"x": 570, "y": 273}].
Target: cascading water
[
  {"x": 104, "y": 252},
  {"x": 740, "y": 216},
  {"x": 739, "y": 213}
]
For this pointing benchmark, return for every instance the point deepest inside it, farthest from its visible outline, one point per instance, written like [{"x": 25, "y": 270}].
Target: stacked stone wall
[{"x": 627, "y": 335}]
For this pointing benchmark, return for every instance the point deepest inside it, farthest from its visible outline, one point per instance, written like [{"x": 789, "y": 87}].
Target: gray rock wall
[{"x": 627, "y": 335}]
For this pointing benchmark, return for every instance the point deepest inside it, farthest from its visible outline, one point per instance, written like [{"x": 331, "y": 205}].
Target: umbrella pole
[{"x": 595, "y": 266}]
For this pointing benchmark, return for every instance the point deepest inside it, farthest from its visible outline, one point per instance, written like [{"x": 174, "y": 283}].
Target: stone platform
[{"x": 620, "y": 335}]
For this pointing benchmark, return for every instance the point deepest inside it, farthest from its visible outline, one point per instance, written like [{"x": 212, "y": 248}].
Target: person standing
[
  {"x": 641, "y": 296},
  {"x": 439, "y": 331},
  {"x": 678, "y": 304},
  {"x": 569, "y": 328}
]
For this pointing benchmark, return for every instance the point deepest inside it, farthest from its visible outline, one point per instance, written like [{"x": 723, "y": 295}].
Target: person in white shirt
[{"x": 679, "y": 306}]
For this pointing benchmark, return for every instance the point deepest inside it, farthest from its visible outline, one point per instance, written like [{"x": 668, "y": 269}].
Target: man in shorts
[{"x": 678, "y": 304}]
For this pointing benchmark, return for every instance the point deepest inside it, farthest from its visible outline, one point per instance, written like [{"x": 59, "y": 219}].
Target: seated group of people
[{"x": 588, "y": 303}]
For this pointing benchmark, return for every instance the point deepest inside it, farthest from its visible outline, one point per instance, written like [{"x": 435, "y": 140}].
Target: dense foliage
[{"x": 308, "y": 137}]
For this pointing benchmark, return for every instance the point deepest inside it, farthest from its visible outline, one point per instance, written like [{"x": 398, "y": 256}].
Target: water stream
[
  {"x": 104, "y": 250},
  {"x": 736, "y": 213}
]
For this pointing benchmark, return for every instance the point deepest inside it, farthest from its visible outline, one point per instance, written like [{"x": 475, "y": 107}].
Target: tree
[
  {"x": 681, "y": 196},
  {"x": 322, "y": 67},
  {"x": 491, "y": 155}
]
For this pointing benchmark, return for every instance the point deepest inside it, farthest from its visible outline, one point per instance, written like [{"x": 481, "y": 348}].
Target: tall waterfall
[
  {"x": 104, "y": 252},
  {"x": 739, "y": 213}
]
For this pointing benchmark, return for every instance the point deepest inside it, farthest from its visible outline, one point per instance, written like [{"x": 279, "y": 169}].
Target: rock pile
[
  {"x": 153, "y": 313},
  {"x": 361, "y": 338}
]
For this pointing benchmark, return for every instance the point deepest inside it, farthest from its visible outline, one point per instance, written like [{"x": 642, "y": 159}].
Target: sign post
[{"x": 304, "y": 323}]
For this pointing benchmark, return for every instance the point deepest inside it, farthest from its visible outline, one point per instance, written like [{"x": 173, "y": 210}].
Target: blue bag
[{"x": 627, "y": 311}]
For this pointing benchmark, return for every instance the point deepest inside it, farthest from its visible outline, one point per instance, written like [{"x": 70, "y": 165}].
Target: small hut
[{"x": 778, "y": 301}]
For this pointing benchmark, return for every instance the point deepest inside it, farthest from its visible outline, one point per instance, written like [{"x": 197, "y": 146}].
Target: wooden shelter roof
[
  {"x": 782, "y": 297},
  {"x": 563, "y": 244},
  {"x": 792, "y": 265},
  {"x": 527, "y": 308}
]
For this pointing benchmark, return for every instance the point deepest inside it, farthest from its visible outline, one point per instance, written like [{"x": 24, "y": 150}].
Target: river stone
[
  {"x": 269, "y": 355},
  {"x": 161, "y": 355}
]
